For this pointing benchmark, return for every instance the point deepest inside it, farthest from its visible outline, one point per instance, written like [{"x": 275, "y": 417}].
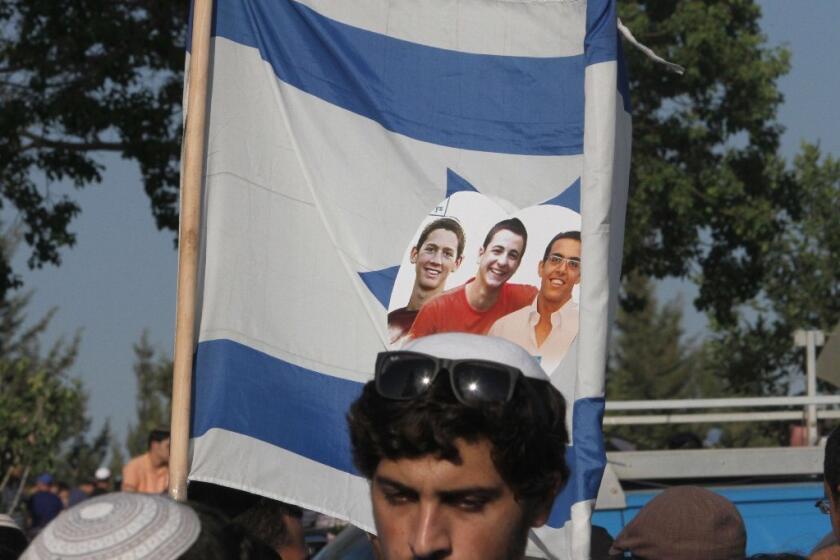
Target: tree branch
[{"x": 41, "y": 142}]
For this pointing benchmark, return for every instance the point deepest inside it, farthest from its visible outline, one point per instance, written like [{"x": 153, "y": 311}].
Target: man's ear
[
  {"x": 413, "y": 257},
  {"x": 458, "y": 262},
  {"x": 544, "y": 509},
  {"x": 540, "y": 268}
]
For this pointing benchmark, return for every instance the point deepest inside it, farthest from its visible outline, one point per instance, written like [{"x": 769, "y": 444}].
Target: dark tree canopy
[
  {"x": 81, "y": 77},
  {"x": 708, "y": 193}
]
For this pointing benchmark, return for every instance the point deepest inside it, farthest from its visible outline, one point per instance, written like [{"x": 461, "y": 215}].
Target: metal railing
[{"x": 809, "y": 413}]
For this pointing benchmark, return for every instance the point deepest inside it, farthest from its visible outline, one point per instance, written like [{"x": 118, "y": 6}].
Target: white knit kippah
[
  {"x": 7, "y": 521},
  {"x": 460, "y": 346},
  {"x": 118, "y": 525}
]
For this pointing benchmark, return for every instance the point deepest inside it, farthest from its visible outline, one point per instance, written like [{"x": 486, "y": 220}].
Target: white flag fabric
[{"x": 337, "y": 130}]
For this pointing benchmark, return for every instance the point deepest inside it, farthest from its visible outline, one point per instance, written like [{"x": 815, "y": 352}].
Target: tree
[
  {"x": 82, "y": 77},
  {"x": 651, "y": 360},
  {"x": 41, "y": 406},
  {"x": 153, "y": 372},
  {"x": 801, "y": 287},
  {"x": 709, "y": 193},
  {"x": 81, "y": 457}
]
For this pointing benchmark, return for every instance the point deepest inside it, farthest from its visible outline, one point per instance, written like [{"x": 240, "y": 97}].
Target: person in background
[
  {"x": 12, "y": 539},
  {"x": 132, "y": 525},
  {"x": 278, "y": 525},
  {"x": 81, "y": 492},
  {"x": 463, "y": 440},
  {"x": 827, "y": 548},
  {"x": 149, "y": 472},
  {"x": 62, "y": 490},
  {"x": 43, "y": 505},
  {"x": 102, "y": 480},
  {"x": 684, "y": 523}
]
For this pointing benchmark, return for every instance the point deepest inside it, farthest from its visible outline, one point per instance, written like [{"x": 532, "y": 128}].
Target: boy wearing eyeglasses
[
  {"x": 547, "y": 327},
  {"x": 463, "y": 440}
]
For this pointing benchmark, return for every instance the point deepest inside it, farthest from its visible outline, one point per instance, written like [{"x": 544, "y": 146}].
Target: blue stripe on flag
[
  {"x": 602, "y": 44},
  {"x": 249, "y": 392},
  {"x": 586, "y": 460},
  {"x": 427, "y": 93}
]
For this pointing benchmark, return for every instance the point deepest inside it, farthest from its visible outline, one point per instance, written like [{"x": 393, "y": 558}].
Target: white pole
[{"x": 810, "y": 340}]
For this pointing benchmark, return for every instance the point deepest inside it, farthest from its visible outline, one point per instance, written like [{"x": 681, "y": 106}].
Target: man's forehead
[
  {"x": 505, "y": 235},
  {"x": 464, "y": 346},
  {"x": 441, "y": 235},
  {"x": 566, "y": 245}
]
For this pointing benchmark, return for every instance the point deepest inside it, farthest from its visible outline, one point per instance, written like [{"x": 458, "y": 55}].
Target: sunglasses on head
[{"x": 404, "y": 375}]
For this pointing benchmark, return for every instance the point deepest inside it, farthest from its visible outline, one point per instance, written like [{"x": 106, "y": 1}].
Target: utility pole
[{"x": 810, "y": 340}]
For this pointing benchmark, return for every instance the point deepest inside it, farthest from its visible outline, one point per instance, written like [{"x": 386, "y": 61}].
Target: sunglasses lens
[
  {"x": 402, "y": 377},
  {"x": 481, "y": 382}
]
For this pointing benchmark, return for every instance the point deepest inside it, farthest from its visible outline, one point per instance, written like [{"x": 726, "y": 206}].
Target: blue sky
[{"x": 119, "y": 279}]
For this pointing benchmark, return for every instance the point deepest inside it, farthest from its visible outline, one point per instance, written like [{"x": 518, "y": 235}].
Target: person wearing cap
[
  {"x": 131, "y": 525},
  {"x": 101, "y": 481},
  {"x": 463, "y": 440},
  {"x": 149, "y": 472},
  {"x": 684, "y": 523},
  {"x": 547, "y": 327},
  {"x": 43, "y": 505},
  {"x": 474, "y": 306},
  {"x": 12, "y": 539}
]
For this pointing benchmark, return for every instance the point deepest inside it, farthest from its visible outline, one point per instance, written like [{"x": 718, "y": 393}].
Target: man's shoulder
[
  {"x": 520, "y": 290},
  {"x": 400, "y": 313},
  {"x": 513, "y": 318},
  {"x": 136, "y": 462},
  {"x": 445, "y": 298}
]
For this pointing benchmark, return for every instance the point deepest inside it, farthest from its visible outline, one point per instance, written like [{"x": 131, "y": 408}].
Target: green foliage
[
  {"x": 41, "y": 406},
  {"x": 708, "y": 192},
  {"x": 81, "y": 457},
  {"x": 800, "y": 289},
  {"x": 651, "y": 360},
  {"x": 78, "y": 78},
  {"x": 153, "y": 372}
]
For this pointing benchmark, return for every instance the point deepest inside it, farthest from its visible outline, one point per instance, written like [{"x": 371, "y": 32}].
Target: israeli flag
[{"x": 335, "y": 130}]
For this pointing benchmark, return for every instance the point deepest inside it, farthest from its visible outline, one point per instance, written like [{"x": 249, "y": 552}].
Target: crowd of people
[{"x": 462, "y": 438}]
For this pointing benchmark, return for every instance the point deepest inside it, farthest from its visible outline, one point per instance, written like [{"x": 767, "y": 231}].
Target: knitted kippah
[
  {"x": 7, "y": 521},
  {"x": 118, "y": 525}
]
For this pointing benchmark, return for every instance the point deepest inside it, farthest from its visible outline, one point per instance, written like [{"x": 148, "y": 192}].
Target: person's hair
[
  {"x": 158, "y": 435},
  {"x": 831, "y": 464},
  {"x": 449, "y": 225},
  {"x": 265, "y": 520},
  {"x": 513, "y": 225},
  {"x": 222, "y": 539},
  {"x": 562, "y": 235},
  {"x": 12, "y": 543},
  {"x": 528, "y": 434}
]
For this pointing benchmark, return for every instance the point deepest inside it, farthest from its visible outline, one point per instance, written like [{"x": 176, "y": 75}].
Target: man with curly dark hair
[{"x": 463, "y": 439}]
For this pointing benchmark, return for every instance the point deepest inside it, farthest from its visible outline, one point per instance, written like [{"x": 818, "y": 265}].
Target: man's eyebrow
[
  {"x": 561, "y": 255},
  {"x": 392, "y": 484},
  {"x": 486, "y": 492}
]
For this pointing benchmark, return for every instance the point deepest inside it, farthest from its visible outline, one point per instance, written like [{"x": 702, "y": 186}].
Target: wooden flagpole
[{"x": 188, "y": 246}]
